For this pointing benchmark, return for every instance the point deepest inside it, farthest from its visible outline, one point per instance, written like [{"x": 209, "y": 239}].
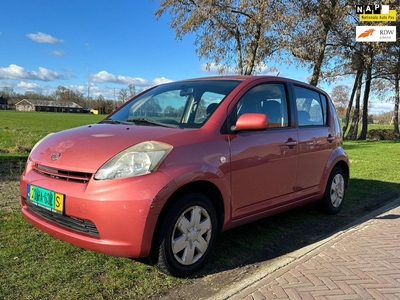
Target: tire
[
  {"x": 187, "y": 235},
  {"x": 332, "y": 201}
]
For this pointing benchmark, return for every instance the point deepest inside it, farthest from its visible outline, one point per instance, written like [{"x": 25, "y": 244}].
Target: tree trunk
[
  {"x": 253, "y": 48},
  {"x": 364, "y": 128},
  {"x": 350, "y": 105},
  {"x": 318, "y": 62},
  {"x": 239, "y": 52},
  {"x": 353, "y": 131}
]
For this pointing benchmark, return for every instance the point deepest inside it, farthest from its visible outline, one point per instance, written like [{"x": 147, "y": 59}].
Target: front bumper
[{"x": 124, "y": 212}]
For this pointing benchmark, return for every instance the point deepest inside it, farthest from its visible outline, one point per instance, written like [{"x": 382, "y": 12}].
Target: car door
[
  {"x": 314, "y": 137},
  {"x": 263, "y": 162}
]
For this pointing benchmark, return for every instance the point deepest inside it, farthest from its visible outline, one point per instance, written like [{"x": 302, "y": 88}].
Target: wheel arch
[
  {"x": 206, "y": 188},
  {"x": 338, "y": 158},
  {"x": 203, "y": 187},
  {"x": 345, "y": 167}
]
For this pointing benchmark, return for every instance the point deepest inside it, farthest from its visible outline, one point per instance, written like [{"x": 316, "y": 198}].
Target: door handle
[
  {"x": 291, "y": 143},
  {"x": 330, "y": 138}
]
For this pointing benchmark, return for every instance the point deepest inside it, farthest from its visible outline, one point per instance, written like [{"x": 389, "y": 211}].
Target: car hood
[{"x": 87, "y": 148}]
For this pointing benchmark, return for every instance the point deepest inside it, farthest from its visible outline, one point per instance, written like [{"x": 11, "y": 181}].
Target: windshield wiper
[
  {"x": 141, "y": 121},
  {"x": 112, "y": 121}
]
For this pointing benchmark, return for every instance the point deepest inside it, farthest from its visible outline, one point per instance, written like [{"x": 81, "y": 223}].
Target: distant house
[
  {"x": 48, "y": 106},
  {"x": 3, "y": 103}
]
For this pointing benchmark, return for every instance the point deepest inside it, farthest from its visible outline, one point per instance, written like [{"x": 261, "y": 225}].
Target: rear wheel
[
  {"x": 187, "y": 236},
  {"x": 332, "y": 201}
]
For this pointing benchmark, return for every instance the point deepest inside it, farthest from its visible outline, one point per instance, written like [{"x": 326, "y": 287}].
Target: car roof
[{"x": 251, "y": 78}]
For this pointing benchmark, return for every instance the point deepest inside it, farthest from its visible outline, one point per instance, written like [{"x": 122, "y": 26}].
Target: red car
[{"x": 162, "y": 175}]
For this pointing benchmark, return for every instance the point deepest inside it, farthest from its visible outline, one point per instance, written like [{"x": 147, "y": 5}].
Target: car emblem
[{"x": 55, "y": 156}]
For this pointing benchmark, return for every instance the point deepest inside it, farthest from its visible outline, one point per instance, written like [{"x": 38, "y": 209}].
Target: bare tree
[
  {"x": 228, "y": 32},
  {"x": 309, "y": 29},
  {"x": 132, "y": 90},
  {"x": 340, "y": 97},
  {"x": 123, "y": 95},
  {"x": 8, "y": 92}
]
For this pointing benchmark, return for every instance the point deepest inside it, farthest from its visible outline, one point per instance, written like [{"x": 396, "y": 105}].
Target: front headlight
[{"x": 140, "y": 159}]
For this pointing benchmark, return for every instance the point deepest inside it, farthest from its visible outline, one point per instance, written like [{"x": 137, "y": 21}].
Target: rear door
[
  {"x": 264, "y": 162},
  {"x": 315, "y": 141}
]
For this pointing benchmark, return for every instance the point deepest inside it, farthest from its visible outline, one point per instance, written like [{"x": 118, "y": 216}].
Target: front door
[{"x": 263, "y": 163}]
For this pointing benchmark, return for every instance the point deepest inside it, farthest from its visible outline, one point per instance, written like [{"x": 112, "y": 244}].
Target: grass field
[
  {"x": 34, "y": 265},
  {"x": 19, "y": 131}
]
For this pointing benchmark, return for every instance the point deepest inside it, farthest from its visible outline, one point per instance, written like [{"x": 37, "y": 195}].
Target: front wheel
[
  {"x": 187, "y": 235},
  {"x": 332, "y": 201}
]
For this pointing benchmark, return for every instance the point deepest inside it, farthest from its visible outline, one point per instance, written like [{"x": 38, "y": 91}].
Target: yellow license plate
[{"x": 45, "y": 198}]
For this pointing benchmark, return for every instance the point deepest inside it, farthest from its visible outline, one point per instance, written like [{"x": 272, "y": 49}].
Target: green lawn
[
  {"x": 19, "y": 131},
  {"x": 34, "y": 265}
]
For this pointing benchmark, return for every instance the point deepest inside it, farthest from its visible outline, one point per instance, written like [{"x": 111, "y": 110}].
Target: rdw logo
[
  {"x": 366, "y": 33},
  {"x": 376, "y": 33}
]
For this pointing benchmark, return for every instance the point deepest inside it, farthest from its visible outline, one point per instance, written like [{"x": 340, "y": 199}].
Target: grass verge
[{"x": 19, "y": 131}]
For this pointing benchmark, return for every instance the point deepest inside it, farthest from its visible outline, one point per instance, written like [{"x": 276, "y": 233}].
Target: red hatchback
[{"x": 167, "y": 171}]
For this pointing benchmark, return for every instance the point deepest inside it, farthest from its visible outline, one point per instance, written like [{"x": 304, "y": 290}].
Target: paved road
[{"x": 361, "y": 262}]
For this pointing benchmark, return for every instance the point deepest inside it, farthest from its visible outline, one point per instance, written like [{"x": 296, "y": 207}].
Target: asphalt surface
[{"x": 361, "y": 261}]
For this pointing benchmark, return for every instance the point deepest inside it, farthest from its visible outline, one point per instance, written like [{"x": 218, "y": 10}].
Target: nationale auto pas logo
[{"x": 366, "y": 33}]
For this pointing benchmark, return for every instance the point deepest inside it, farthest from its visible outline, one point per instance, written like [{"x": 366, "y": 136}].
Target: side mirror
[{"x": 251, "y": 121}]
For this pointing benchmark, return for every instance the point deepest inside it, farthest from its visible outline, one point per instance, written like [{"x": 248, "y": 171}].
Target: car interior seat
[
  {"x": 304, "y": 117},
  {"x": 272, "y": 109}
]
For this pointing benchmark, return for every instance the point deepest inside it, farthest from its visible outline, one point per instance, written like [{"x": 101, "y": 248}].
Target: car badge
[{"x": 55, "y": 156}]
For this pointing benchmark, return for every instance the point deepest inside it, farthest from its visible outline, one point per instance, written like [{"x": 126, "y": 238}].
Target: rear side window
[
  {"x": 269, "y": 99},
  {"x": 311, "y": 107}
]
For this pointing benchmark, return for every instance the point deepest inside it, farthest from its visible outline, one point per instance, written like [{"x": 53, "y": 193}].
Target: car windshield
[{"x": 177, "y": 104}]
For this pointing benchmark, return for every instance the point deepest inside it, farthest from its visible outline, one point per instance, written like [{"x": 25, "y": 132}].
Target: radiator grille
[{"x": 66, "y": 175}]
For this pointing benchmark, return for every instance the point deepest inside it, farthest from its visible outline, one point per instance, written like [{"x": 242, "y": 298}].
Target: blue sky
[{"x": 48, "y": 43}]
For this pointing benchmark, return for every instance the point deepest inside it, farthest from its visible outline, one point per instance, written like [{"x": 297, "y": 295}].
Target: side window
[
  {"x": 269, "y": 99},
  {"x": 311, "y": 107},
  {"x": 208, "y": 104}
]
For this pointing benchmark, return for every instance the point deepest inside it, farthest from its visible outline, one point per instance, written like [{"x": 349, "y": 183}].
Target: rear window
[{"x": 311, "y": 107}]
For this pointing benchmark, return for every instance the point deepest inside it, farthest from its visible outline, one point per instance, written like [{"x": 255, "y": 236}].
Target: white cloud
[
  {"x": 79, "y": 88},
  {"x": 28, "y": 86},
  {"x": 13, "y": 72},
  {"x": 16, "y": 72},
  {"x": 104, "y": 76},
  {"x": 102, "y": 83},
  {"x": 161, "y": 80},
  {"x": 45, "y": 38},
  {"x": 57, "y": 53}
]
